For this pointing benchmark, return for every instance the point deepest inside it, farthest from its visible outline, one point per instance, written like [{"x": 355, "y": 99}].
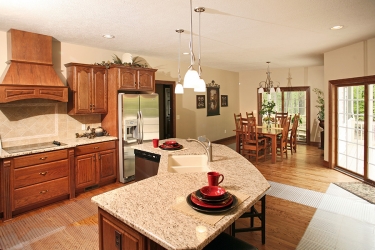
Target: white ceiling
[{"x": 237, "y": 35}]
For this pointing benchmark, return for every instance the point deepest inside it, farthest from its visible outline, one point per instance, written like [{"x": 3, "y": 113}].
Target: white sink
[{"x": 187, "y": 163}]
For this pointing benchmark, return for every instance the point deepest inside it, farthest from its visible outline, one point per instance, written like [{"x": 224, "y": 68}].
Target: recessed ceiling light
[
  {"x": 186, "y": 53},
  {"x": 337, "y": 27},
  {"x": 108, "y": 36}
]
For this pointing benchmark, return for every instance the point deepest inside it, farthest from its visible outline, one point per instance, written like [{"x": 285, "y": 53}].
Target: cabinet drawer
[
  {"x": 40, "y": 173},
  {"x": 40, "y": 192},
  {"x": 35, "y": 159},
  {"x": 95, "y": 147}
]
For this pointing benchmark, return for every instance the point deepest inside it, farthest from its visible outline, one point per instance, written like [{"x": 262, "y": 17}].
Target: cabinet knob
[
  {"x": 43, "y": 173},
  {"x": 42, "y": 158},
  {"x": 43, "y": 191},
  {"x": 99, "y": 156}
]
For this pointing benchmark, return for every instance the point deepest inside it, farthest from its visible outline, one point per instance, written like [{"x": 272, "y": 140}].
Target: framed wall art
[
  {"x": 213, "y": 106},
  {"x": 224, "y": 101},
  {"x": 201, "y": 102}
]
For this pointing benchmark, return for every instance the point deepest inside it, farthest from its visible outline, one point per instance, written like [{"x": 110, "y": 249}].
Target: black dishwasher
[{"x": 146, "y": 164}]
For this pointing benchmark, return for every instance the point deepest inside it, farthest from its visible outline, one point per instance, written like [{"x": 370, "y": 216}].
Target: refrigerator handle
[
  {"x": 138, "y": 127},
  {"x": 141, "y": 116}
]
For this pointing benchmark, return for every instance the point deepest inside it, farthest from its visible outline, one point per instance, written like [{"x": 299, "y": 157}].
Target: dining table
[{"x": 271, "y": 133}]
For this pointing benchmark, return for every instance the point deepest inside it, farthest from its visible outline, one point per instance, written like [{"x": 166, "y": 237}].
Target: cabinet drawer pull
[
  {"x": 43, "y": 173},
  {"x": 43, "y": 191},
  {"x": 96, "y": 147},
  {"x": 42, "y": 158}
]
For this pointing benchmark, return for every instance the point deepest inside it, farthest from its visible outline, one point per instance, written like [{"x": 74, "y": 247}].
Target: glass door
[
  {"x": 371, "y": 133},
  {"x": 350, "y": 123},
  {"x": 293, "y": 100}
]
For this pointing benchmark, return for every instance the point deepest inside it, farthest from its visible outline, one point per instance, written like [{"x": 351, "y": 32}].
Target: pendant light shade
[
  {"x": 179, "y": 89},
  {"x": 191, "y": 77},
  {"x": 201, "y": 86}
]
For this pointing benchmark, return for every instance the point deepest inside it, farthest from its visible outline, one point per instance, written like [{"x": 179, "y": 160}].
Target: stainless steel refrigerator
[{"x": 138, "y": 123}]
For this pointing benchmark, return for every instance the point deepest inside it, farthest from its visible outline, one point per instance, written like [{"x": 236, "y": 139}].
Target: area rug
[{"x": 360, "y": 189}]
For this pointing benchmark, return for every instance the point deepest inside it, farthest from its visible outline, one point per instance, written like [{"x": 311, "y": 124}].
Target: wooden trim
[
  {"x": 224, "y": 139},
  {"x": 6, "y": 185},
  {"x": 173, "y": 102},
  {"x": 72, "y": 179},
  {"x": 332, "y": 112}
]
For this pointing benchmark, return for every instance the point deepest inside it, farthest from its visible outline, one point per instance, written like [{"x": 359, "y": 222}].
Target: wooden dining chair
[
  {"x": 282, "y": 142},
  {"x": 292, "y": 140},
  {"x": 280, "y": 118},
  {"x": 250, "y": 114},
  {"x": 239, "y": 126},
  {"x": 252, "y": 145}
]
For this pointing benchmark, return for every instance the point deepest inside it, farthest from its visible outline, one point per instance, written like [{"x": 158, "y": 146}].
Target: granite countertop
[
  {"x": 146, "y": 205},
  {"x": 69, "y": 144}
]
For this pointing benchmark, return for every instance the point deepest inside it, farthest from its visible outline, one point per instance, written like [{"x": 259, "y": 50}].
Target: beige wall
[
  {"x": 192, "y": 122},
  {"x": 347, "y": 62},
  {"x": 303, "y": 76}
]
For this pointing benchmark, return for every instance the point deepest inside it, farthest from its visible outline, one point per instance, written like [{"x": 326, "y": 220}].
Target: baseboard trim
[{"x": 224, "y": 139}]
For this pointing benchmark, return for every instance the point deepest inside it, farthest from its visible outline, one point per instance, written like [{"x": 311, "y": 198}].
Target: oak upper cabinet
[
  {"x": 95, "y": 164},
  {"x": 130, "y": 78},
  {"x": 88, "y": 89}
]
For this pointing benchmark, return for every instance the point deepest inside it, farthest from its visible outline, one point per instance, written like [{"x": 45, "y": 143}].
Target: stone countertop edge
[
  {"x": 146, "y": 205},
  {"x": 70, "y": 143}
]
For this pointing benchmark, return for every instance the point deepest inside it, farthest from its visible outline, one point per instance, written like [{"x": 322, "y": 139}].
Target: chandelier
[{"x": 268, "y": 84}]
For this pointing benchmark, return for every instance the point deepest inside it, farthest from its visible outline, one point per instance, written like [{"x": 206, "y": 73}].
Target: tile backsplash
[{"x": 33, "y": 121}]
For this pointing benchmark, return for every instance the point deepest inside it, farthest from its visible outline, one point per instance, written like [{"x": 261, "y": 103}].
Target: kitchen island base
[{"x": 114, "y": 234}]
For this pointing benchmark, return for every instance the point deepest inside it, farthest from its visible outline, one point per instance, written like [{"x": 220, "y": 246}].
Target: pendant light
[
  {"x": 191, "y": 77},
  {"x": 201, "y": 85},
  {"x": 268, "y": 84},
  {"x": 179, "y": 89}
]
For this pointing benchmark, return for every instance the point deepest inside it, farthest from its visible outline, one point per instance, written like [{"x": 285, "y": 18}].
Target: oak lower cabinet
[
  {"x": 95, "y": 164},
  {"x": 131, "y": 78},
  {"x": 88, "y": 89},
  {"x": 36, "y": 180},
  {"x": 115, "y": 235}
]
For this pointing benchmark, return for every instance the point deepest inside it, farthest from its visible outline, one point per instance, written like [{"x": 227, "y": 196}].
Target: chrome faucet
[{"x": 208, "y": 149}]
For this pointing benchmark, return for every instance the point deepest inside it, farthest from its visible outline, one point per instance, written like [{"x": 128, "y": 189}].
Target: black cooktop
[{"x": 35, "y": 146}]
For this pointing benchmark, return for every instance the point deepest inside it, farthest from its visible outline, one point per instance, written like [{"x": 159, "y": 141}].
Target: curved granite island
[{"x": 147, "y": 211}]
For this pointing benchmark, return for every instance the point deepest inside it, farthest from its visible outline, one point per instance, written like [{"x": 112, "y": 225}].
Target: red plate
[
  {"x": 212, "y": 192},
  {"x": 200, "y": 203},
  {"x": 170, "y": 147}
]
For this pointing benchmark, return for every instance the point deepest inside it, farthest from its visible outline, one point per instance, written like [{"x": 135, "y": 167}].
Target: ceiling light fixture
[
  {"x": 337, "y": 27},
  {"x": 268, "y": 83},
  {"x": 179, "y": 89},
  {"x": 191, "y": 77},
  {"x": 201, "y": 85},
  {"x": 108, "y": 36}
]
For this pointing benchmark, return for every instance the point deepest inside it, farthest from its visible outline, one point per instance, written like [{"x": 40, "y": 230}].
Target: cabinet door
[
  {"x": 107, "y": 165},
  {"x": 85, "y": 170},
  {"x": 115, "y": 235},
  {"x": 145, "y": 80},
  {"x": 82, "y": 92},
  {"x": 99, "y": 92},
  {"x": 128, "y": 79}
]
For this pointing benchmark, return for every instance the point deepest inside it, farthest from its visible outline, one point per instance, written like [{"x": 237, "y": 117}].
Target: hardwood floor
[{"x": 286, "y": 221}]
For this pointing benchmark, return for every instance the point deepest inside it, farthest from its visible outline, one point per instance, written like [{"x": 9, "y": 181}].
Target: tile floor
[{"x": 342, "y": 220}]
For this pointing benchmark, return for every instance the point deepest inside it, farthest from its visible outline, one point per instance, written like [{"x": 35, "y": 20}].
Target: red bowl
[
  {"x": 170, "y": 143},
  {"x": 213, "y": 192}
]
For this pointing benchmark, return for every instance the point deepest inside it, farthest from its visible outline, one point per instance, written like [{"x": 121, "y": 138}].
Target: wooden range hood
[{"x": 30, "y": 72}]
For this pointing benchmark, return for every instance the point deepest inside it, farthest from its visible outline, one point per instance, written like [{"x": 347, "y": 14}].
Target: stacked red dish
[
  {"x": 170, "y": 145},
  {"x": 211, "y": 199}
]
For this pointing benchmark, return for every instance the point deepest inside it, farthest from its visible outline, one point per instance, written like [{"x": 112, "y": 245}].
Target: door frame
[
  {"x": 172, "y": 85},
  {"x": 332, "y": 129}
]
